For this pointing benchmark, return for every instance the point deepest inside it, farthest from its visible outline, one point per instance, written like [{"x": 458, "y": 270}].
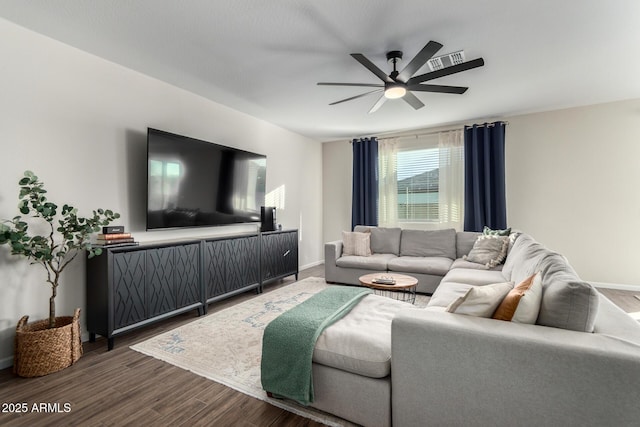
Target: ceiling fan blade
[
  {"x": 371, "y": 67},
  {"x": 378, "y": 104},
  {"x": 351, "y": 84},
  {"x": 413, "y": 100},
  {"x": 355, "y": 97},
  {"x": 479, "y": 62},
  {"x": 419, "y": 60},
  {"x": 438, "y": 88}
]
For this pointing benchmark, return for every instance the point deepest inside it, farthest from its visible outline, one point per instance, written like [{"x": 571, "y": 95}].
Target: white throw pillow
[
  {"x": 355, "y": 243},
  {"x": 529, "y": 306},
  {"x": 480, "y": 301}
]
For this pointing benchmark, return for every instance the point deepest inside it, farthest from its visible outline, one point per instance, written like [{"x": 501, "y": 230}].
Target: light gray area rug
[{"x": 226, "y": 346}]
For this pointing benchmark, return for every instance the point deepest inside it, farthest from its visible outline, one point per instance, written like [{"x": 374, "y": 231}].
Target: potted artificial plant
[{"x": 51, "y": 344}]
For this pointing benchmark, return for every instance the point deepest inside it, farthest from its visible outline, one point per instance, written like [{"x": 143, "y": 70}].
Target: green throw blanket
[{"x": 289, "y": 340}]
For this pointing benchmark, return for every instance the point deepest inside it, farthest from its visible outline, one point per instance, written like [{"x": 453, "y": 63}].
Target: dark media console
[{"x": 130, "y": 287}]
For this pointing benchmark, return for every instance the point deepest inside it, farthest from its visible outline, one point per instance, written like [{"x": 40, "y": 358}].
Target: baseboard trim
[
  {"x": 617, "y": 286},
  {"x": 7, "y": 362},
  {"x": 313, "y": 264}
]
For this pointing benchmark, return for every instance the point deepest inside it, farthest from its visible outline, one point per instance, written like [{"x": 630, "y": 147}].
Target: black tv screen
[{"x": 194, "y": 183}]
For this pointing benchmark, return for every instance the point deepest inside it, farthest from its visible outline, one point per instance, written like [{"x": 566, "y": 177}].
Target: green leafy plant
[{"x": 67, "y": 234}]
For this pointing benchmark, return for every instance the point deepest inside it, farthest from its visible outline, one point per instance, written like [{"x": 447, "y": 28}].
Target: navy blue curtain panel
[
  {"x": 484, "y": 178},
  {"x": 364, "y": 207}
]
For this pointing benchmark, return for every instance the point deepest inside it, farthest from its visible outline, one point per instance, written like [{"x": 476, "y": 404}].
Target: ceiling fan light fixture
[{"x": 394, "y": 91}]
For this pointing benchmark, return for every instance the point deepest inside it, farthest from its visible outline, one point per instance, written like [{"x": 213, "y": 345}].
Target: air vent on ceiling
[{"x": 444, "y": 61}]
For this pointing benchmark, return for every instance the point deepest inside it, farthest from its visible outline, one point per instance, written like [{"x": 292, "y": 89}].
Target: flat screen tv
[{"x": 194, "y": 183}]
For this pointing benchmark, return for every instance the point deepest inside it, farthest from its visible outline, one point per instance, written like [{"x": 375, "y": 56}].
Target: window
[
  {"x": 421, "y": 181},
  {"x": 418, "y": 183}
]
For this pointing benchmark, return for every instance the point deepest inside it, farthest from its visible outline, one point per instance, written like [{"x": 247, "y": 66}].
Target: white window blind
[{"x": 418, "y": 184}]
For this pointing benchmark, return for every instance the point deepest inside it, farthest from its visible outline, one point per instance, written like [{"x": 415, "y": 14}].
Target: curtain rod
[
  {"x": 489, "y": 125},
  {"x": 414, "y": 135},
  {"x": 434, "y": 132}
]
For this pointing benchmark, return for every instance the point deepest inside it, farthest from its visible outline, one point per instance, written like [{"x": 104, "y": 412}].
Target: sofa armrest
[
  {"x": 332, "y": 251},
  {"x": 453, "y": 369}
]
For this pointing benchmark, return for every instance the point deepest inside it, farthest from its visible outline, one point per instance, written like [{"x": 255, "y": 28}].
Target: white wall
[
  {"x": 79, "y": 122},
  {"x": 571, "y": 183},
  {"x": 572, "y": 178},
  {"x": 336, "y": 189}
]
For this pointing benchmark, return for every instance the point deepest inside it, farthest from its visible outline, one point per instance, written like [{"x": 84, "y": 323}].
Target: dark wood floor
[
  {"x": 124, "y": 387},
  {"x": 626, "y": 300}
]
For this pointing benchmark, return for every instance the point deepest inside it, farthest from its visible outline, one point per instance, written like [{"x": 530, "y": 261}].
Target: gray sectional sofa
[{"x": 388, "y": 363}]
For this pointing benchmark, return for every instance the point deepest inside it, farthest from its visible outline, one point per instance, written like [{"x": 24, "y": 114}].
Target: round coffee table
[{"x": 404, "y": 288}]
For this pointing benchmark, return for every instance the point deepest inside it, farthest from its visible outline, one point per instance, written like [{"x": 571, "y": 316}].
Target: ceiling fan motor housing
[{"x": 394, "y": 56}]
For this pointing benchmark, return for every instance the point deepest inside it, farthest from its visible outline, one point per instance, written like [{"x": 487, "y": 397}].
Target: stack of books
[{"x": 113, "y": 236}]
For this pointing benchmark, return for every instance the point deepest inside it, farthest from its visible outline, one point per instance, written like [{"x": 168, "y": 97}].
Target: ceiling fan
[{"x": 402, "y": 84}]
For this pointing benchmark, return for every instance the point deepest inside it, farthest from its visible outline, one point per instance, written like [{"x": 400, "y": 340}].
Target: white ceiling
[{"x": 264, "y": 58}]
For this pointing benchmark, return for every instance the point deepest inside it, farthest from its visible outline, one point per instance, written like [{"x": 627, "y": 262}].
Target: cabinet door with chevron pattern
[
  {"x": 290, "y": 248},
  {"x": 161, "y": 296},
  {"x": 279, "y": 255},
  {"x": 187, "y": 274},
  {"x": 242, "y": 263},
  {"x": 129, "y": 297},
  {"x": 215, "y": 267}
]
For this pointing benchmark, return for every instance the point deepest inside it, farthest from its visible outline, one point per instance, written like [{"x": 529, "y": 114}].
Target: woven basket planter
[{"x": 41, "y": 351}]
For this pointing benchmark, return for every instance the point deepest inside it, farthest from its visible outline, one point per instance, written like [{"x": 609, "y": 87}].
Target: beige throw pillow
[
  {"x": 355, "y": 243},
  {"x": 522, "y": 303},
  {"x": 480, "y": 301},
  {"x": 489, "y": 250}
]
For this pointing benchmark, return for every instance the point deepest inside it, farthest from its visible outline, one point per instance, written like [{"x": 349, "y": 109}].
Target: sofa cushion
[
  {"x": 522, "y": 303},
  {"x": 489, "y": 250},
  {"x": 421, "y": 243},
  {"x": 570, "y": 304},
  {"x": 474, "y": 277},
  {"x": 445, "y": 295},
  {"x": 355, "y": 243},
  {"x": 426, "y": 265},
  {"x": 377, "y": 262},
  {"x": 523, "y": 258},
  {"x": 361, "y": 341},
  {"x": 385, "y": 240},
  {"x": 480, "y": 301},
  {"x": 465, "y": 241},
  {"x": 462, "y": 263}
]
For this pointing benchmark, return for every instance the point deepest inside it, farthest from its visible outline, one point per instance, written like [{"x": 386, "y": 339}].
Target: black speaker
[{"x": 267, "y": 218}]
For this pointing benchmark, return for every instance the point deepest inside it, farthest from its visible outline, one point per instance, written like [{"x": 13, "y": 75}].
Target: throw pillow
[
  {"x": 570, "y": 304},
  {"x": 480, "y": 301},
  {"x": 489, "y": 232},
  {"x": 355, "y": 243},
  {"x": 489, "y": 250},
  {"x": 522, "y": 303}
]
